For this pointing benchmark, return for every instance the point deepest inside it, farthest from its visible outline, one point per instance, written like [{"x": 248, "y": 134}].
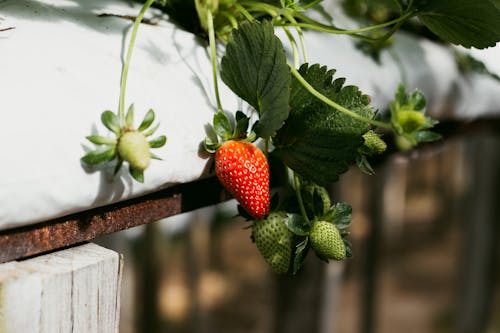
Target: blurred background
[{"x": 425, "y": 257}]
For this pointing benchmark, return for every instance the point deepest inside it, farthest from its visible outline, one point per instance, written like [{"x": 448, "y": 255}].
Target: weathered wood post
[{"x": 72, "y": 290}]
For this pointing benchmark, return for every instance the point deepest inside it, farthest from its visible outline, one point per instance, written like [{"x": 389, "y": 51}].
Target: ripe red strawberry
[{"x": 243, "y": 170}]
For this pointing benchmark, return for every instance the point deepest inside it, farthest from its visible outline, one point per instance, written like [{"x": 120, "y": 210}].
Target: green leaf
[
  {"x": 348, "y": 248},
  {"x": 427, "y": 136},
  {"x": 155, "y": 157},
  {"x": 317, "y": 141},
  {"x": 468, "y": 64},
  {"x": 222, "y": 126},
  {"x": 470, "y": 23},
  {"x": 364, "y": 165},
  {"x": 136, "y": 174},
  {"x": 98, "y": 156},
  {"x": 340, "y": 215},
  {"x": 242, "y": 122},
  {"x": 297, "y": 224},
  {"x": 151, "y": 131},
  {"x": 147, "y": 121},
  {"x": 101, "y": 140},
  {"x": 118, "y": 166},
  {"x": 158, "y": 142},
  {"x": 110, "y": 120},
  {"x": 418, "y": 102},
  {"x": 129, "y": 118},
  {"x": 255, "y": 69},
  {"x": 300, "y": 254}
]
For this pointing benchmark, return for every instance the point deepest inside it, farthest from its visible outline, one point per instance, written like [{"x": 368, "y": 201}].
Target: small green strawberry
[
  {"x": 326, "y": 241},
  {"x": 274, "y": 241},
  {"x": 243, "y": 170},
  {"x": 134, "y": 148},
  {"x": 130, "y": 145},
  {"x": 410, "y": 120},
  {"x": 372, "y": 145}
]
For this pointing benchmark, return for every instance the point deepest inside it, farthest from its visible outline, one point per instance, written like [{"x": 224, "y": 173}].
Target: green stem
[
  {"x": 230, "y": 17},
  {"x": 261, "y": 7},
  {"x": 331, "y": 103},
  {"x": 290, "y": 17},
  {"x": 293, "y": 43},
  {"x": 266, "y": 147},
  {"x": 245, "y": 13},
  {"x": 311, "y": 4},
  {"x": 213, "y": 56},
  {"x": 126, "y": 65},
  {"x": 314, "y": 25},
  {"x": 299, "y": 197}
]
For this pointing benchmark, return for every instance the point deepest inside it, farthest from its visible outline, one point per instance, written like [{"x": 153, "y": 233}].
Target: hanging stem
[
  {"x": 331, "y": 103},
  {"x": 245, "y": 13},
  {"x": 126, "y": 65},
  {"x": 213, "y": 56},
  {"x": 293, "y": 43},
  {"x": 313, "y": 25},
  {"x": 299, "y": 197}
]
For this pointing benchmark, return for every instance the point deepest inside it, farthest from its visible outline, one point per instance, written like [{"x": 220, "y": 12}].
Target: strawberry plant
[
  {"x": 307, "y": 119},
  {"x": 299, "y": 112},
  {"x": 130, "y": 144}
]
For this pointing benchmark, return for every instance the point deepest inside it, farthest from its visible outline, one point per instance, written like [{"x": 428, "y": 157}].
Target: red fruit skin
[{"x": 243, "y": 170}]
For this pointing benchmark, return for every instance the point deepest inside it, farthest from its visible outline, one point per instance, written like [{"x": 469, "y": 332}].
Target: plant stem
[
  {"x": 299, "y": 197},
  {"x": 266, "y": 147},
  {"x": 213, "y": 56},
  {"x": 331, "y": 103},
  {"x": 313, "y": 25},
  {"x": 126, "y": 65},
  {"x": 245, "y": 13},
  {"x": 293, "y": 43}
]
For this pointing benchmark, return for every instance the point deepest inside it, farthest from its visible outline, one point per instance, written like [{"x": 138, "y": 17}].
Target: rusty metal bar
[{"x": 84, "y": 226}]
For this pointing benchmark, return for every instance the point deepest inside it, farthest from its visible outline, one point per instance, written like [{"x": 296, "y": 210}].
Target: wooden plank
[
  {"x": 72, "y": 290},
  {"x": 87, "y": 225}
]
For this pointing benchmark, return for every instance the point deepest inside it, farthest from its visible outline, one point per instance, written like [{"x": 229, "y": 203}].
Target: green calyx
[
  {"x": 225, "y": 129},
  {"x": 130, "y": 145},
  {"x": 409, "y": 121}
]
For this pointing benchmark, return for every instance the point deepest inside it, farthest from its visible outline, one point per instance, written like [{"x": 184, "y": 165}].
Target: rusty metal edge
[{"x": 84, "y": 226}]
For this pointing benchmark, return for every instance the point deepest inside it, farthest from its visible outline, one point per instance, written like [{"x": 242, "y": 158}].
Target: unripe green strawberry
[
  {"x": 373, "y": 144},
  {"x": 274, "y": 241},
  {"x": 410, "y": 120},
  {"x": 243, "y": 170},
  {"x": 134, "y": 148},
  {"x": 326, "y": 241}
]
